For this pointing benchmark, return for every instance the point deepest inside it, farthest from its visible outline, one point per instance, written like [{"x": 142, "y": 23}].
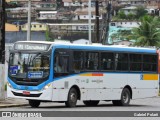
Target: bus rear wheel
[
  {"x": 34, "y": 103},
  {"x": 72, "y": 98},
  {"x": 125, "y": 98},
  {"x": 91, "y": 103}
]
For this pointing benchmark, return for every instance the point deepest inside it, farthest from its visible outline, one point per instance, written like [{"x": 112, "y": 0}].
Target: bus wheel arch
[
  {"x": 130, "y": 89},
  {"x": 126, "y": 96},
  {"x": 78, "y": 91},
  {"x": 73, "y": 96}
]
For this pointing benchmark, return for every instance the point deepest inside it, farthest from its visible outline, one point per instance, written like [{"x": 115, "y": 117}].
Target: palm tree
[{"x": 147, "y": 34}]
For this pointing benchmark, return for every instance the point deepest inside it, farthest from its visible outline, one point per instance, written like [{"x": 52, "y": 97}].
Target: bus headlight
[
  {"x": 47, "y": 86},
  {"x": 8, "y": 84}
]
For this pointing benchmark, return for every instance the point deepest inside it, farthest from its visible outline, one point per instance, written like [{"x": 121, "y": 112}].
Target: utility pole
[
  {"x": 97, "y": 21},
  {"x": 2, "y": 31},
  {"x": 109, "y": 7},
  {"x": 29, "y": 21},
  {"x": 2, "y": 48},
  {"x": 89, "y": 21}
]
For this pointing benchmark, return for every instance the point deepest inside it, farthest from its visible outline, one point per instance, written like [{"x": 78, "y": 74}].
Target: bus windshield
[{"x": 27, "y": 65}]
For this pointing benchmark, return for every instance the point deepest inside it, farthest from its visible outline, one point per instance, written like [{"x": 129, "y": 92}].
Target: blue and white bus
[{"x": 48, "y": 71}]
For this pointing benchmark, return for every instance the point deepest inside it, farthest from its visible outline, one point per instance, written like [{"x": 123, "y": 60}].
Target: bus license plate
[{"x": 26, "y": 93}]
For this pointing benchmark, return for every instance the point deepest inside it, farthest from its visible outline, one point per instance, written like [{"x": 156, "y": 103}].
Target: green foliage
[
  {"x": 147, "y": 33},
  {"x": 121, "y": 15},
  {"x": 5, "y": 87},
  {"x": 47, "y": 34},
  {"x": 140, "y": 12}
]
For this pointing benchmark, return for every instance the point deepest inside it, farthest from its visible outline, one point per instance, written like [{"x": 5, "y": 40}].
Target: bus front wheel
[
  {"x": 72, "y": 98},
  {"x": 91, "y": 103},
  {"x": 34, "y": 103},
  {"x": 125, "y": 98}
]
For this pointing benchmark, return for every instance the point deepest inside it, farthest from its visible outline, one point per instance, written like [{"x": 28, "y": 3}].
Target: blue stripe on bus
[
  {"x": 30, "y": 88},
  {"x": 109, "y": 48},
  {"x": 41, "y": 86}
]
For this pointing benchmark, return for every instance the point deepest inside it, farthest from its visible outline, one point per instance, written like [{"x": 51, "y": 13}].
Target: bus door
[{"x": 61, "y": 63}]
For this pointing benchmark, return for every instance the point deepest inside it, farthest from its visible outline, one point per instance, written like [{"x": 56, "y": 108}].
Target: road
[{"x": 147, "y": 104}]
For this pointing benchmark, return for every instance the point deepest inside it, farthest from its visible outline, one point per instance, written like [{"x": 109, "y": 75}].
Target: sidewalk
[{"x": 12, "y": 102}]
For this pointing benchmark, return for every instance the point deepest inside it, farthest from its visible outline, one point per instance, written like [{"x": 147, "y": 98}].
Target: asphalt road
[{"x": 147, "y": 104}]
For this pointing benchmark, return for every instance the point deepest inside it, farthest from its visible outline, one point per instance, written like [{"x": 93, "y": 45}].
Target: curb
[{"x": 12, "y": 105}]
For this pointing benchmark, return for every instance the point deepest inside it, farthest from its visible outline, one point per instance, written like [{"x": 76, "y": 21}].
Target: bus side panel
[{"x": 143, "y": 85}]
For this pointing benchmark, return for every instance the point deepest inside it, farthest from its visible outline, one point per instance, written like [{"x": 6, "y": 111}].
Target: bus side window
[
  {"x": 121, "y": 61},
  {"x": 135, "y": 64},
  {"x": 91, "y": 62},
  {"x": 78, "y": 60},
  {"x": 107, "y": 61},
  {"x": 150, "y": 63}
]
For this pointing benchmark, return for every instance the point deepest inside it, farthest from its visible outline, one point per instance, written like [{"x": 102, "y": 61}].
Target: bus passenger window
[
  {"x": 107, "y": 61},
  {"x": 91, "y": 62},
  {"x": 78, "y": 60},
  {"x": 121, "y": 62},
  {"x": 135, "y": 64},
  {"x": 150, "y": 63},
  {"x": 57, "y": 66},
  {"x": 61, "y": 64}
]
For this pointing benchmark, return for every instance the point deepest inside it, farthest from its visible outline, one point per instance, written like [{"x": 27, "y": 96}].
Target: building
[
  {"x": 125, "y": 24},
  {"x": 82, "y": 14},
  {"x": 35, "y": 26},
  {"x": 11, "y": 28},
  {"x": 44, "y": 15}
]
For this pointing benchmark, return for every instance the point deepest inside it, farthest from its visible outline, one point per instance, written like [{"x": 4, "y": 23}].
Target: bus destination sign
[{"x": 31, "y": 46}]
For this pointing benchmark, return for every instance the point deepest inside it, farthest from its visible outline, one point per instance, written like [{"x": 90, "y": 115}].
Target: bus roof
[{"x": 96, "y": 47}]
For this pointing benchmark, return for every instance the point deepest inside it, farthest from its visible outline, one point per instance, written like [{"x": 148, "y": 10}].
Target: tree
[
  {"x": 140, "y": 11},
  {"x": 147, "y": 33},
  {"x": 121, "y": 15}
]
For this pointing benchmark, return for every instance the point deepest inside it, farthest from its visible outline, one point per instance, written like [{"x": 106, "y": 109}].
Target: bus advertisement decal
[
  {"x": 149, "y": 77},
  {"x": 92, "y": 74}
]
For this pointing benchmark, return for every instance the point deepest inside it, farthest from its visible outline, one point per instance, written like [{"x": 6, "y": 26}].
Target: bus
[{"x": 65, "y": 73}]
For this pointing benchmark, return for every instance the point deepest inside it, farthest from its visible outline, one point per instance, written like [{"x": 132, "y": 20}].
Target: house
[
  {"x": 35, "y": 26},
  {"x": 82, "y": 14},
  {"x": 125, "y": 24},
  {"x": 19, "y": 13},
  {"x": 132, "y": 2},
  {"x": 11, "y": 28},
  {"x": 129, "y": 10},
  {"x": 123, "y": 42},
  {"x": 80, "y": 3},
  {"x": 44, "y": 15}
]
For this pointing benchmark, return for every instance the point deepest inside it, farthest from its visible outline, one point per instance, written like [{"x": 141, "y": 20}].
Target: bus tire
[
  {"x": 91, "y": 103},
  {"x": 34, "y": 103},
  {"x": 72, "y": 98},
  {"x": 125, "y": 98}
]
